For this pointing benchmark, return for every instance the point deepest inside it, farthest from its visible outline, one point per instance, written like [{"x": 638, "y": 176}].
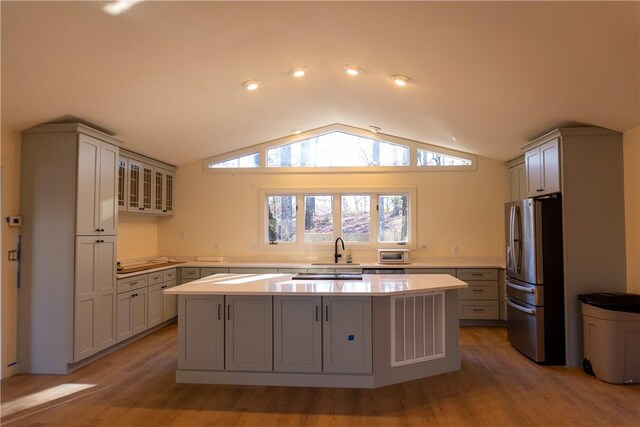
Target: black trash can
[{"x": 611, "y": 327}]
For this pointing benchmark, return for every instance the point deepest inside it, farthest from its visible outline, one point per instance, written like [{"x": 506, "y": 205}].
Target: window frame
[
  {"x": 373, "y": 244},
  {"x": 413, "y": 146}
]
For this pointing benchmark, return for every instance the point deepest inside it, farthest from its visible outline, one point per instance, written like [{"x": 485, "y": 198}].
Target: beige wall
[
  {"x": 10, "y": 162},
  {"x": 463, "y": 208},
  {"x": 631, "y": 146},
  {"x": 137, "y": 237}
]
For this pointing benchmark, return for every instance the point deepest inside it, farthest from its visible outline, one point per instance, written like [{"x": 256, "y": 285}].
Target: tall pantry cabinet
[{"x": 67, "y": 298}]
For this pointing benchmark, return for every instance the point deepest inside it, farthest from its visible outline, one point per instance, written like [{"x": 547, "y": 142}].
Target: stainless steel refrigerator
[{"x": 534, "y": 279}]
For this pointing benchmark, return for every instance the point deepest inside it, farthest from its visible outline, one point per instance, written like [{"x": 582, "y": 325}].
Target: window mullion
[
  {"x": 374, "y": 226},
  {"x": 299, "y": 219},
  {"x": 337, "y": 215}
]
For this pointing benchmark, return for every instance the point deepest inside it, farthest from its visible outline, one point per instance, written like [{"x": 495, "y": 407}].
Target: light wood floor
[{"x": 496, "y": 387}]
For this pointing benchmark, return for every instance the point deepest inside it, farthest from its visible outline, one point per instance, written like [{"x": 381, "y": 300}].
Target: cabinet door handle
[
  {"x": 141, "y": 209},
  {"x": 133, "y": 283},
  {"x": 164, "y": 210},
  {"x": 97, "y": 241},
  {"x": 134, "y": 295},
  {"x": 97, "y": 229},
  {"x": 477, "y": 274},
  {"x": 102, "y": 230},
  {"x": 317, "y": 309},
  {"x": 477, "y": 290},
  {"x": 326, "y": 313},
  {"x": 219, "y": 311},
  {"x": 229, "y": 312},
  {"x": 163, "y": 287}
]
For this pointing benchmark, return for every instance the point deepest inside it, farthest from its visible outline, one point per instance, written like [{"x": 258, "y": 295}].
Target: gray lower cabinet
[
  {"x": 154, "y": 304},
  {"x": 201, "y": 333},
  {"x": 346, "y": 337},
  {"x": 188, "y": 274},
  {"x": 297, "y": 334},
  {"x": 169, "y": 302},
  {"x": 480, "y": 301},
  {"x": 132, "y": 313},
  {"x": 248, "y": 333}
]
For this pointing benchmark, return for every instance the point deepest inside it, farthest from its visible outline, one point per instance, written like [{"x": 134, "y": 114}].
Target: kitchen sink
[{"x": 328, "y": 276}]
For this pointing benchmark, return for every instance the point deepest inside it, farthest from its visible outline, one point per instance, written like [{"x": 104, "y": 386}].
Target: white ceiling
[{"x": 165, "y": 76}]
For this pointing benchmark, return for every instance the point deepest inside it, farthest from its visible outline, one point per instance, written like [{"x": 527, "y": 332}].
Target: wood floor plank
[{"x": 497, "y": 386}]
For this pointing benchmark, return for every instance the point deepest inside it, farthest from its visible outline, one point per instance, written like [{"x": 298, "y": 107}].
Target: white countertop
[
  {"x": 282, "y": 284},
  {"x": 439, "y": 263}
]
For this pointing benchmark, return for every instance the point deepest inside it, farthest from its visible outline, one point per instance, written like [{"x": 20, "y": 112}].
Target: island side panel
[{"x": 384, "y": 373}]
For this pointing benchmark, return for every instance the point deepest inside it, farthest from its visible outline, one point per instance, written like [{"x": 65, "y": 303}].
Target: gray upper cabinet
[
  {"x": 96, "y": 212},
  {"x": 145, "y": 185},
  {"x": 542, "y": 166},
  {"x": 140, "y": 187},
  {"x": 123, "y": 187},
  {"x": 163, "y": 182},
  {"x": 517, "y": 179},
  {"x": 66, "y": 304},
  {"x": 347, "y": 335},
  {"x": 248, "y": 333},
  {"x": 297, "y": 334}
]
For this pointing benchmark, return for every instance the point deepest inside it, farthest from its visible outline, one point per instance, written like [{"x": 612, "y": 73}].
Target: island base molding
[{"x": 318, "y": 380}]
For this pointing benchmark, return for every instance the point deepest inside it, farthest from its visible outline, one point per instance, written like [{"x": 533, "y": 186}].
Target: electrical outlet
[
  {"x": 454, "y": 249},
  {"x": 217, "y": 246},
  {"x": 253, "y": 246},
  {"x": 13, "y": 255}
]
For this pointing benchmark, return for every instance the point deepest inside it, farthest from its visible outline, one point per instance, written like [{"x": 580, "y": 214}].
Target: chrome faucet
[{"x": 335, "y": 253}]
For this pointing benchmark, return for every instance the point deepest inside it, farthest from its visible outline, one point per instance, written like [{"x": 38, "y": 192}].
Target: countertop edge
[{"x": 211, "y": 264}]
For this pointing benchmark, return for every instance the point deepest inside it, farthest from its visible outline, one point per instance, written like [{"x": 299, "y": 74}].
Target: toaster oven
[{"x": 393, "y": 256}]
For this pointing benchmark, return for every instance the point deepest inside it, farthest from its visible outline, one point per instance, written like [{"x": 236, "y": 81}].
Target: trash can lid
[{"x": 629, "y": 303}]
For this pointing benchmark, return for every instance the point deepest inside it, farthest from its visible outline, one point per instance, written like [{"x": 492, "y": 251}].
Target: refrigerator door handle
[
  {"x": 520, "y": 308},
  {"x": 521, "y": 288},
  {"x": 514, "y": 253},
  {"x": 517, "y": 225},
  {"x": 510, "y": 258}
]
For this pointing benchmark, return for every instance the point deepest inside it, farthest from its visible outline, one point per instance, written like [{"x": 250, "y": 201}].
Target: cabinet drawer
[
  {"x": 480, "y": 290},
  {"x": 204, "y": 272},
  {"x": 190, "y": 273},
  {"x": 155, "y": 278},
  {"x": 169, "y": 284},
  {"x": 169, "y": 275},
  {"x": 131, "y": 283},
  {"x": 477, "y": 274},
  {"x": 478, "y": 309}
]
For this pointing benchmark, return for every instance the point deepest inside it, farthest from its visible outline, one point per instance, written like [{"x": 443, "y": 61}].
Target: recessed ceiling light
[
  {"x": 374, "y": 129},
  {"x": 295, "y": 131},
  {"x": 352, "y": 70},
  {"x": 298, "y": 72},
  {"x": 400, "y": 80},
  {"x": 251, "y": 84},
  {"x": 119, "y": 6}
]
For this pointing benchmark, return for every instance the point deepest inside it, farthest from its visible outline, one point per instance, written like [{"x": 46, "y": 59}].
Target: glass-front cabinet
[{"x": 145, "y": 186}]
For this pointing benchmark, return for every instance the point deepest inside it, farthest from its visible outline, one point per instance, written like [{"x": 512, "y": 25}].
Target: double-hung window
[{"x": 364, "y": 218}]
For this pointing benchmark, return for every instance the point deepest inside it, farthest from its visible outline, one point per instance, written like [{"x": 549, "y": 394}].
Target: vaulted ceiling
[{"x": 165, "y": 77}]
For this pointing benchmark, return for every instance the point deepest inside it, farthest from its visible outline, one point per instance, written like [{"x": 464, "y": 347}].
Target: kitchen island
[{"x": 267, "y": 329}]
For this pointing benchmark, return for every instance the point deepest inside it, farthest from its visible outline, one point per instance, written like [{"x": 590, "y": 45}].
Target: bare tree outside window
[{"x": 282, "y": 218}]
